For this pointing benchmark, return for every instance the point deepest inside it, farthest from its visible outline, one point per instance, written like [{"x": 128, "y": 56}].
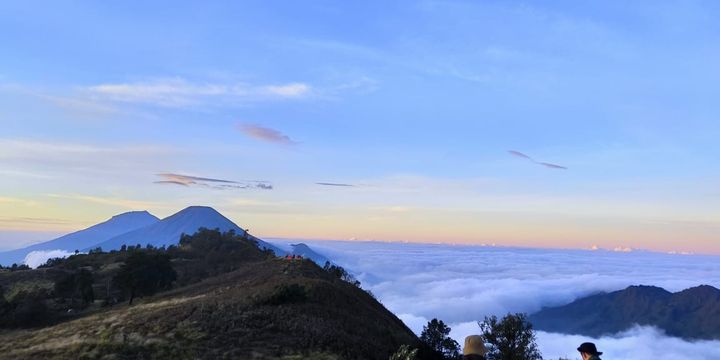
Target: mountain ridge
[
  {"x": 187, "y": 221},
  {"x": 116, "y": 225},
  {"x": 693, "y": 313}
]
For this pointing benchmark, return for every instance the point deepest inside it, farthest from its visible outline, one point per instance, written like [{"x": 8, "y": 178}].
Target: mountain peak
[
  {"x": 134, "y": 214},
  {"x": 197, "y": 210},
  {"x": 700, "y": 292},
  {"x": 186, "y": 221},
  {"x": 645, "y": 290}
]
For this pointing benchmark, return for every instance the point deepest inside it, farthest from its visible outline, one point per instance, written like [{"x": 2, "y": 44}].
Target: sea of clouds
[
  {"x": 462, "y": 284},
  {"x": 39, "y": 257}
]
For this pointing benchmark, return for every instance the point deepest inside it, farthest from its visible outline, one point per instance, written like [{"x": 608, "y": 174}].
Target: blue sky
[{"x": 416, "y": 103}]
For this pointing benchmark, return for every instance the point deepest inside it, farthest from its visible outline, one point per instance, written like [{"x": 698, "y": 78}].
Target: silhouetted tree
[
  {"x": 26, "y": 308},
  {"x": 511, "y": 338},
  {"x": 76, "y": 285},
  {"x": 4, "y": 305},
  {"x": 145, "y": 274},
  {"x": 52, "y": 262},
  {"x": 436, "y": 336},
  {"x": 340, "y": 273},
  {"x": 16, "y": 267}
]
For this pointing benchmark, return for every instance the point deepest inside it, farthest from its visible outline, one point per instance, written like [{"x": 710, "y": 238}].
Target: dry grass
[{"x": 227, "y": 316}]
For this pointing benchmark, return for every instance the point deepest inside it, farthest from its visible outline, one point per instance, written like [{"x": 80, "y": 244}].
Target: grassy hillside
[{"x": 255, "y": 306}]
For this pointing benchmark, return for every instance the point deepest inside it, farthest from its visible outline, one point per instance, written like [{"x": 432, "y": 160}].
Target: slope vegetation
[{"x": 235, "y": 302}]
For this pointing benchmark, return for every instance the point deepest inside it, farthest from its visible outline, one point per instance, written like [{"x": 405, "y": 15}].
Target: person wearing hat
[
  {"x": 588, "y": 351},
  {"x": 474, "y": 348}
]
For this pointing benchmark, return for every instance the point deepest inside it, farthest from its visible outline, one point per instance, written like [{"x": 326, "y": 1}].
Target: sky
[
  {"x": 461, "y": 284},
  {"x": 558, "y": 124}
]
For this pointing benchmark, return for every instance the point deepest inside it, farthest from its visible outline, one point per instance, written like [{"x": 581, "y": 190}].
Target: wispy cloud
[
  {"x": 521, "y": 155},
  {"x": 552, "y": 166},
  {"x": 33, "y": 221},
  {"x": 178, "y": 92},
  {"x": 113, "y": 201},
  {"x": 36, "y": 157},
  {"x": 25, "y": 174},
  {"x": 265, "y": 134},
  {"x": 527, "y": 157},
  {"x": 288, "y": 90},
  {"x": 17, "y": 201},
  {"x": 80, "y": 106},
  {"x": 211, "y": 183},
  {"x": 334, "y": 184}
]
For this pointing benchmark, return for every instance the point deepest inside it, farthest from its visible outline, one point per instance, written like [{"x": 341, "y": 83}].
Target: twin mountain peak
[{"x": 141, "y": 227}]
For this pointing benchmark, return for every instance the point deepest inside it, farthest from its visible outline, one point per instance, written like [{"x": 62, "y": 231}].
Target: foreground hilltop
[
  {"x": 231, "y": 300},
  {"x": 693, "y": 313}
]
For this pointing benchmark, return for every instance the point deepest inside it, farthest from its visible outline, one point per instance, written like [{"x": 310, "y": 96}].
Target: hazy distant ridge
[
  {"x": 86, "y": 238},
  {"x": 187, "y": 221},
  {"x": 143, "y": 228},
  {"x": 693, "y": 313}
]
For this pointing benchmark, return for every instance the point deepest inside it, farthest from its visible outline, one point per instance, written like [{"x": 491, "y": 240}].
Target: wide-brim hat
[
  {"x": 589, "y": 348},
  {"x": 474, "y": 344}
]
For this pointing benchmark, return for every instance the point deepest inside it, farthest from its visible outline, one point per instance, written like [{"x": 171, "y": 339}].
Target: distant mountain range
[
  {"x": 86, "y": 238},
  {"x": 693, "y": 313},
  {"x": 141, "y": 227},
  {"x": 168, "y": 230},
  {"x": 305, "y": 251}
]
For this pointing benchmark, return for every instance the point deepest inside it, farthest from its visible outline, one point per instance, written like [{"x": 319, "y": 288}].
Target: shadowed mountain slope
[
  {"x": 168, "y": 230},
  {"x": 693, "y": 313},
  {"x": 79, "y": 240}
]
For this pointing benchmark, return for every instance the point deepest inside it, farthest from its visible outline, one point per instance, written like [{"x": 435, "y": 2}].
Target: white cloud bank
[
  {"x": 463, "y": 284},
  {"x": 39, "y": 257}
]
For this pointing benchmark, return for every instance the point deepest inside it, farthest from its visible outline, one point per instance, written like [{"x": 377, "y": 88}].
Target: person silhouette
[{"x": 588, "y": 351}]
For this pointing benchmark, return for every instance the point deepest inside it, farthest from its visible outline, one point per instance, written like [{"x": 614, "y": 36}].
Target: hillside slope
[{"x": 264, "y": 309}]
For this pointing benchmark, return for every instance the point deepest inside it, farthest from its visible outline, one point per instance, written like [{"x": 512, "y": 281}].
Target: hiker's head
[
  {"x": 474, "y": 345},
  {"x": 587, "y": 350}
]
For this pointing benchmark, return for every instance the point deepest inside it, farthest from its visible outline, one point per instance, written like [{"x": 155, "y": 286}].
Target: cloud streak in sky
[
  {"x": 545, "y": 164},
  {"x": 112, "y": 201},
  {"x": 334, "y": 184},
  {"x": 33, "y": 221},
  {"x": 178, "y": 92},
  {"x": 60, "y": 160},
  {"x": 211, "y": 183},
  {"x": 265, "y": 134}
]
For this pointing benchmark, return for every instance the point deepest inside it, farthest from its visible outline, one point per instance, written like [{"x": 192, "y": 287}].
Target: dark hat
[{"x": 589, "y": 348}]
